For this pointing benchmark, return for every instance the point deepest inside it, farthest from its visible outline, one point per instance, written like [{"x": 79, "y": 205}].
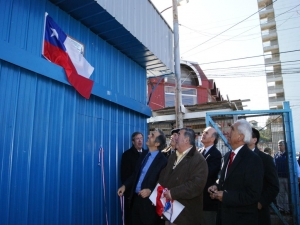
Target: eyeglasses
[{"x": 137, "y": 139}]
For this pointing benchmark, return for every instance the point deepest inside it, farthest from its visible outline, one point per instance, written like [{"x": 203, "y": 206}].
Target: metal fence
[{"x": 273, "y": 125}]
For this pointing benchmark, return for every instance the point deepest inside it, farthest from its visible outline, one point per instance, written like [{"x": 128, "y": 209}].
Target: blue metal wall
[{"x": 50, "y": 137}]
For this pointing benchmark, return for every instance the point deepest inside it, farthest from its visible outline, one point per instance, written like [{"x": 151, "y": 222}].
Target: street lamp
[
  {"x": 179, "y": 3},
  {"x": 178, "y": 96}
]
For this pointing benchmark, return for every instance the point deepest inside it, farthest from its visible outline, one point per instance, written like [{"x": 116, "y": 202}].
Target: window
[
  {"x": 187, "y": 78},
  {"x": 189, "y": 96}
]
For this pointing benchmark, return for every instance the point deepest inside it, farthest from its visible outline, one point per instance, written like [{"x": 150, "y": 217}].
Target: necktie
[
  {"x": 145, "y": 160},
  {"x": 204, "y": 151},
  {"x": 230, "y": 159}
]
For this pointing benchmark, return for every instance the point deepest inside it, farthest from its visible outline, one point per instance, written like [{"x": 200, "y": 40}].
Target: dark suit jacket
[
  {"x": 213, "y": 158},
  {"x": 128, "y": 164},
  {"x": 241, "y": 189},
  {"x": 150, "y": 181},
  {"x": 270, "y": 187}
]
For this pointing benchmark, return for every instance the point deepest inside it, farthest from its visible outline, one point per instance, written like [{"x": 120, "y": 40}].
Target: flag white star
[{"x": 54, "y": 33}]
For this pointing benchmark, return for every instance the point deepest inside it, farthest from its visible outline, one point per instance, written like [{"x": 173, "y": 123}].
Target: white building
[{"x": 281, "y": 45}]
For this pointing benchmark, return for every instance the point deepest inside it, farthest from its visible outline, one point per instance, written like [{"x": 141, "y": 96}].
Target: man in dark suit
[
  {"x": 128, "y": 163},
  {"x": 241, "y": 181},
  {"x": 270, "y": 182},
  {"x": 213, "y": 158},
  {"x": 144, "y": 180}
]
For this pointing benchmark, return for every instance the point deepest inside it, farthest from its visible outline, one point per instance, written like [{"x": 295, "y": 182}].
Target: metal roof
[
  {"x": 136, "y": 29},
  {"x": 234, "y": 105},
  {"x": 194, "y": 113}
]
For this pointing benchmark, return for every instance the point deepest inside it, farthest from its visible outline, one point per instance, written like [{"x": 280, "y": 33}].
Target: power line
[
  {"x": 210, "y": 28},
  {"x": 294, "y": 72},
  {"x": 222, "y": 41},
  {"x": 254, "y": 72},
  {"x": 235, "y": 35},
  {"x": 230, "y": 74},
  {"x": 230, "y": 27},
  {"x": 203, "y": 31},
  {"x": 249, "y": 75},
  {"x": 253, "y": 65},
  {"x": 210, "y": 34},
  {"x": 291, "y": 69},
  {"x": 241, "y": 33},
  {"x": 249, "y": 57}
]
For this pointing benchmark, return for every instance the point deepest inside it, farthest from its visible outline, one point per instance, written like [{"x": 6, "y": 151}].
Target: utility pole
[{"x": 178, "y": 97}]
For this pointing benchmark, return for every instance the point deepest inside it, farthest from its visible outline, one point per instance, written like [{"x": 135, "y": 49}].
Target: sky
[{"x": 211, "y": 32}]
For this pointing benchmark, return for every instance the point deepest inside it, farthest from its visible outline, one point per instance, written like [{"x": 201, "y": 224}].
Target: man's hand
[
  {"x": 167, "y": 194},
  {"x": 217, "y": 195},
  {"x": 145, "y": 193},
  {"x": 259, "y": 206},
  {"x": 214, "y": 193},
  {"x": 121, "y": 190},
  {"x": 212, "y": 189}
]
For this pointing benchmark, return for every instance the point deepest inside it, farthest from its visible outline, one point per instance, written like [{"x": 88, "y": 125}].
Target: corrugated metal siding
[
  {"x": 146, "y": 24},
  {"x": 51, "y": 136},
  {"x": 49, "y": 151},
  {"x": 144, "y": 37},
  {"x": 22, "y": 27}
]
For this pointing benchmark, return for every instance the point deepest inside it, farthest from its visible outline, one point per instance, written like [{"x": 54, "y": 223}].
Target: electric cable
[
  {"x": 250, "y": 57},
  {"x": 233, "y": 36},
  {"x": 230, "y": 27}
]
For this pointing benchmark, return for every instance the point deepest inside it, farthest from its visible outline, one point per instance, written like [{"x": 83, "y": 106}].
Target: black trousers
[
  {"x": 264, "y": 216},
  {"x": 127, "y": 211},
  {"x": 143, "y": 211}
]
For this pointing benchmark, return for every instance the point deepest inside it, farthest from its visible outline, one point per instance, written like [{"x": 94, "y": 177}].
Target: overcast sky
[{"x": 201, "y": 40}]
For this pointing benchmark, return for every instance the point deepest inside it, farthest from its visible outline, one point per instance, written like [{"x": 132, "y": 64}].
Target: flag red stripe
[{"x": 58, "y": 56}]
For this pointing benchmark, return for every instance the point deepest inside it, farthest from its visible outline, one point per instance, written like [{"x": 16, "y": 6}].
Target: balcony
[
  {"x": 267, "y": 12},
  {"x": 268, "y": 25},
  {"x": 276, "y": 103},
  {"x": 278, "y": 89},
  {"x": 271, "y": 48},
  {"x": 276, "y": 99},
  {"x": 272, "y": 35},
  {"x": 273, "y": 78},
  {"x": 274, "y": 61},
  {"x": 263, "y": 3}
]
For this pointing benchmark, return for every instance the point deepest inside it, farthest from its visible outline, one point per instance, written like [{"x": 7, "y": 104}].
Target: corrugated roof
[
  {"x": 136, "y": 29},
  {"x": 203, "y": 107}
]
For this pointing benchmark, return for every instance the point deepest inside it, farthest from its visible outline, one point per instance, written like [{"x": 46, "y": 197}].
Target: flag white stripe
[{"x": 82, "y": 66}]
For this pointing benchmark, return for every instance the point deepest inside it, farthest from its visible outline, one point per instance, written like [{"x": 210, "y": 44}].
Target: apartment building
[{"x": 280, "y": 32}]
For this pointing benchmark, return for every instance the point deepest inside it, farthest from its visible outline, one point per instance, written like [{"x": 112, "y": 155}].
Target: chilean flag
[{"x": 59, "y": 49}]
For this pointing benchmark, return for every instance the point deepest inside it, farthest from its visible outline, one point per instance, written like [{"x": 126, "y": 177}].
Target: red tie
[{"x": 231, "y": 159}]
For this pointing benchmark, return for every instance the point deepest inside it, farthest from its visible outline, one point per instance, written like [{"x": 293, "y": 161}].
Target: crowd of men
[{"x": 235, "y": 189}]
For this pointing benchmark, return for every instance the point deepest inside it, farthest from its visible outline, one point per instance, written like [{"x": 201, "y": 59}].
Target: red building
[{"x": 196, "y": 88}]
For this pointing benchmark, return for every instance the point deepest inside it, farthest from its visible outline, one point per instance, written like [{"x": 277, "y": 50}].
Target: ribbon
[
  {"x": 159, "y": 204},
  {"x": 122, "y": 208},
  {"x": 101, "y": 163},
  {"x": 160, "y": 198}
]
